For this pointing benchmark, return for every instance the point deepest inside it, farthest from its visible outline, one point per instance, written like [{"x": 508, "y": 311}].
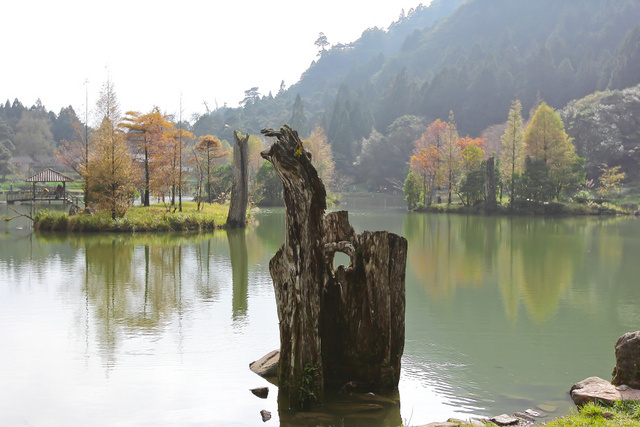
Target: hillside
[
  {"x": 374, "y": 97},
  {"x": 606, "y": 129},
  {"x": 472, "y": 58}
]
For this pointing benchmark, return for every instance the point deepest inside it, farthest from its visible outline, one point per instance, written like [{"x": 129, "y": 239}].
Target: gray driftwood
[
  {"x": 237, "y": 216},
  {"x": 338, "y": 327}
]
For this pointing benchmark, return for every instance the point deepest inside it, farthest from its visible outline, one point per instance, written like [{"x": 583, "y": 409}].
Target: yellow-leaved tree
[
  {"x": 111, "y": 173},
  {"x": 321, "y": 154},
  {"x": 546, "y": 139}
]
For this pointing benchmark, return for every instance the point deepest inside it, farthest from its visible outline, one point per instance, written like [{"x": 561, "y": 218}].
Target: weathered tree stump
[
  {"x": 237, "y": 217},
  {"x": 297, "y": 269},
  {"x": 363, "y": 307},
  {"x": 337, "y": 326}
]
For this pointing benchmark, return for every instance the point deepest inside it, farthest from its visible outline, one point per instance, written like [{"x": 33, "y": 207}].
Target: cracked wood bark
[
  {"x": 296, "y": 269},
  {"x": 346, "y": 323},
  {"x": 363, "y": 307},
  {"x": 237, "y": 217}
]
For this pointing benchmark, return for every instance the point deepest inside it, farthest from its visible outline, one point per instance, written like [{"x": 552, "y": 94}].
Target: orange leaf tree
[
  {"x": 425, "y": 163},
  {"x": 205, "y": 152},
  {"x": 151, "y": 136}
]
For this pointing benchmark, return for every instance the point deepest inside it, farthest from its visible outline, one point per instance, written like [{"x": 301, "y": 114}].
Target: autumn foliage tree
[
  {"x": 545, "y": 138},
  {"x": 451, "y": 156},
  {"x": 433, "y": 137},
  {"x": 610, "y": 180},
  {"x": 471, "y": 185},
  {"x": 321, "y": 154},
  {"x": 425, "y": 163},
  {"x": 205, "y": 152},
  {"x": 151, "y": 135},
  {"x": 111, "y": 173}
]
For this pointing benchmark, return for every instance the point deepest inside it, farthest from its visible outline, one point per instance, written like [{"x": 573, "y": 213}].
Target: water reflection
[
  {"x": 240, "y": 270},
  {"x": 499, "y": 308},
  {"x": 500, "y": 312},
  {"x": 134, "y": 284},
  {"x": 533, "y": 261}
]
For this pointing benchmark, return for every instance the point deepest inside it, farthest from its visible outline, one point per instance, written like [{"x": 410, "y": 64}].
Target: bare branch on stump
[
  {"x": 337, "y": 326},
  {"x": 240, "y": 186}
]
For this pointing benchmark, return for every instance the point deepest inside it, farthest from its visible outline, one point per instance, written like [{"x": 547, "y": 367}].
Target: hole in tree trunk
[{"x": 341, "y": 259}]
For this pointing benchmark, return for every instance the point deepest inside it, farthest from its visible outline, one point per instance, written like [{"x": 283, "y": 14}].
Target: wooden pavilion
[{"x": 49, "y": 175}]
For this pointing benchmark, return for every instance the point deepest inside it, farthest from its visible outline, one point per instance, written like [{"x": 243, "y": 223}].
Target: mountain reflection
[{"x": 533, "y": 261}]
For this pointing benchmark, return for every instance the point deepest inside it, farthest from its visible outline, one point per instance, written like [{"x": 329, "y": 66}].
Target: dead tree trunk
[
  {"x": 296, "y": 270},
  {"x": 237, "y": 217},
  {"x": 337, "y": 327},
  {"x": 491, "y": 202},
  {"x": 363, "y": 307}
]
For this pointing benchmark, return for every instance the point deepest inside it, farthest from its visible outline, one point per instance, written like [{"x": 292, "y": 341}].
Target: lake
[{"x": 503, "y": 314}]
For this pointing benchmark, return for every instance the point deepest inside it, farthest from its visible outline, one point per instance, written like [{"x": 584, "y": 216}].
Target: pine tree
[
  {"x": 451, "y": 155},
  {"x": 111, "y": 173},
  {"x": 298, "y": 119},
  {"x": 512, "y": 156}
]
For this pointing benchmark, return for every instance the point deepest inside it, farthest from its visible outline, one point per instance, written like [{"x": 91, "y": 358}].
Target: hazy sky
[{"x": 154, "y": 51}]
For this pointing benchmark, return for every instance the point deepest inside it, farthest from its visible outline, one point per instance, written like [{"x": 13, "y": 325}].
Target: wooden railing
[{"x": 44, "y": 195}]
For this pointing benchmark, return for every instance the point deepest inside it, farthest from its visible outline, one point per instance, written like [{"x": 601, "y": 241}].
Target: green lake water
[{"x": 503, "y": 314}]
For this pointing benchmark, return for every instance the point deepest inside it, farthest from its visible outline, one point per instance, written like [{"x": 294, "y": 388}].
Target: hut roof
[{"x": 49, "y": 175}]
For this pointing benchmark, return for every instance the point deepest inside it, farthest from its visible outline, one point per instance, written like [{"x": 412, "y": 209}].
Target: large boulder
[
  {"x": 597, "y": 390},
  {"x": 594, "y": 389},
  {"x": 627, "y": 369}
]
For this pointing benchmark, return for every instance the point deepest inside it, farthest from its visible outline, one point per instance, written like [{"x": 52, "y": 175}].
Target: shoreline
[{"x": 154, "y": 218}]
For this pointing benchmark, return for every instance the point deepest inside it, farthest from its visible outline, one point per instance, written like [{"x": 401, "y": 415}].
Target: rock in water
[
  {"x": 504, "y": 420},
  {"x": 266, "y": 415},
  {"x": 267, "y": 366},
  {"x": 261, "y": 392},
  {"x": 597, "y": 390},
  {"x": 627, "y": 369}
]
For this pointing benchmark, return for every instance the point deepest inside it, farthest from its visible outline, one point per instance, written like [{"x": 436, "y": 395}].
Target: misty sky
[{"x": 155, "y": 50}]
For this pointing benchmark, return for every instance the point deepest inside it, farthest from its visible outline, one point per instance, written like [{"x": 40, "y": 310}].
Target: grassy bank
[
  {"x": 625, "y": 413},
  {"x": 551, "y": 208},
  {"x": 152, "y": 218}
]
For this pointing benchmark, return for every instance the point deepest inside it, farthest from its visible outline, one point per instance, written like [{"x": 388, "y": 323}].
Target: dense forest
[{"x": 373, "y": 98}]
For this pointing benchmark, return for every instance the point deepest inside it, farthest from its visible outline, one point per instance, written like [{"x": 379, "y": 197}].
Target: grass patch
[
  {"x": 524, "y": 209},
  {"x": 138, "y": 218},
  {"x": 626, "y": 413}
]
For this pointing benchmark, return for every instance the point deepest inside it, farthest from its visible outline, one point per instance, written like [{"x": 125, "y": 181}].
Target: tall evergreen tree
[
  {"x": 451, "y": 156},
  {"x": 298, "y": 119},
  {"x": 512, "y": 156}
]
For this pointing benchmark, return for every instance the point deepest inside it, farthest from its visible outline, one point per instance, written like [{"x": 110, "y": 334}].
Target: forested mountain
[
  {"x": 605, "y": 127},
  {"x": 375, "y": 96},
  {"x": 473, "y": 61},
  {"x": 34, "y": 132}
]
